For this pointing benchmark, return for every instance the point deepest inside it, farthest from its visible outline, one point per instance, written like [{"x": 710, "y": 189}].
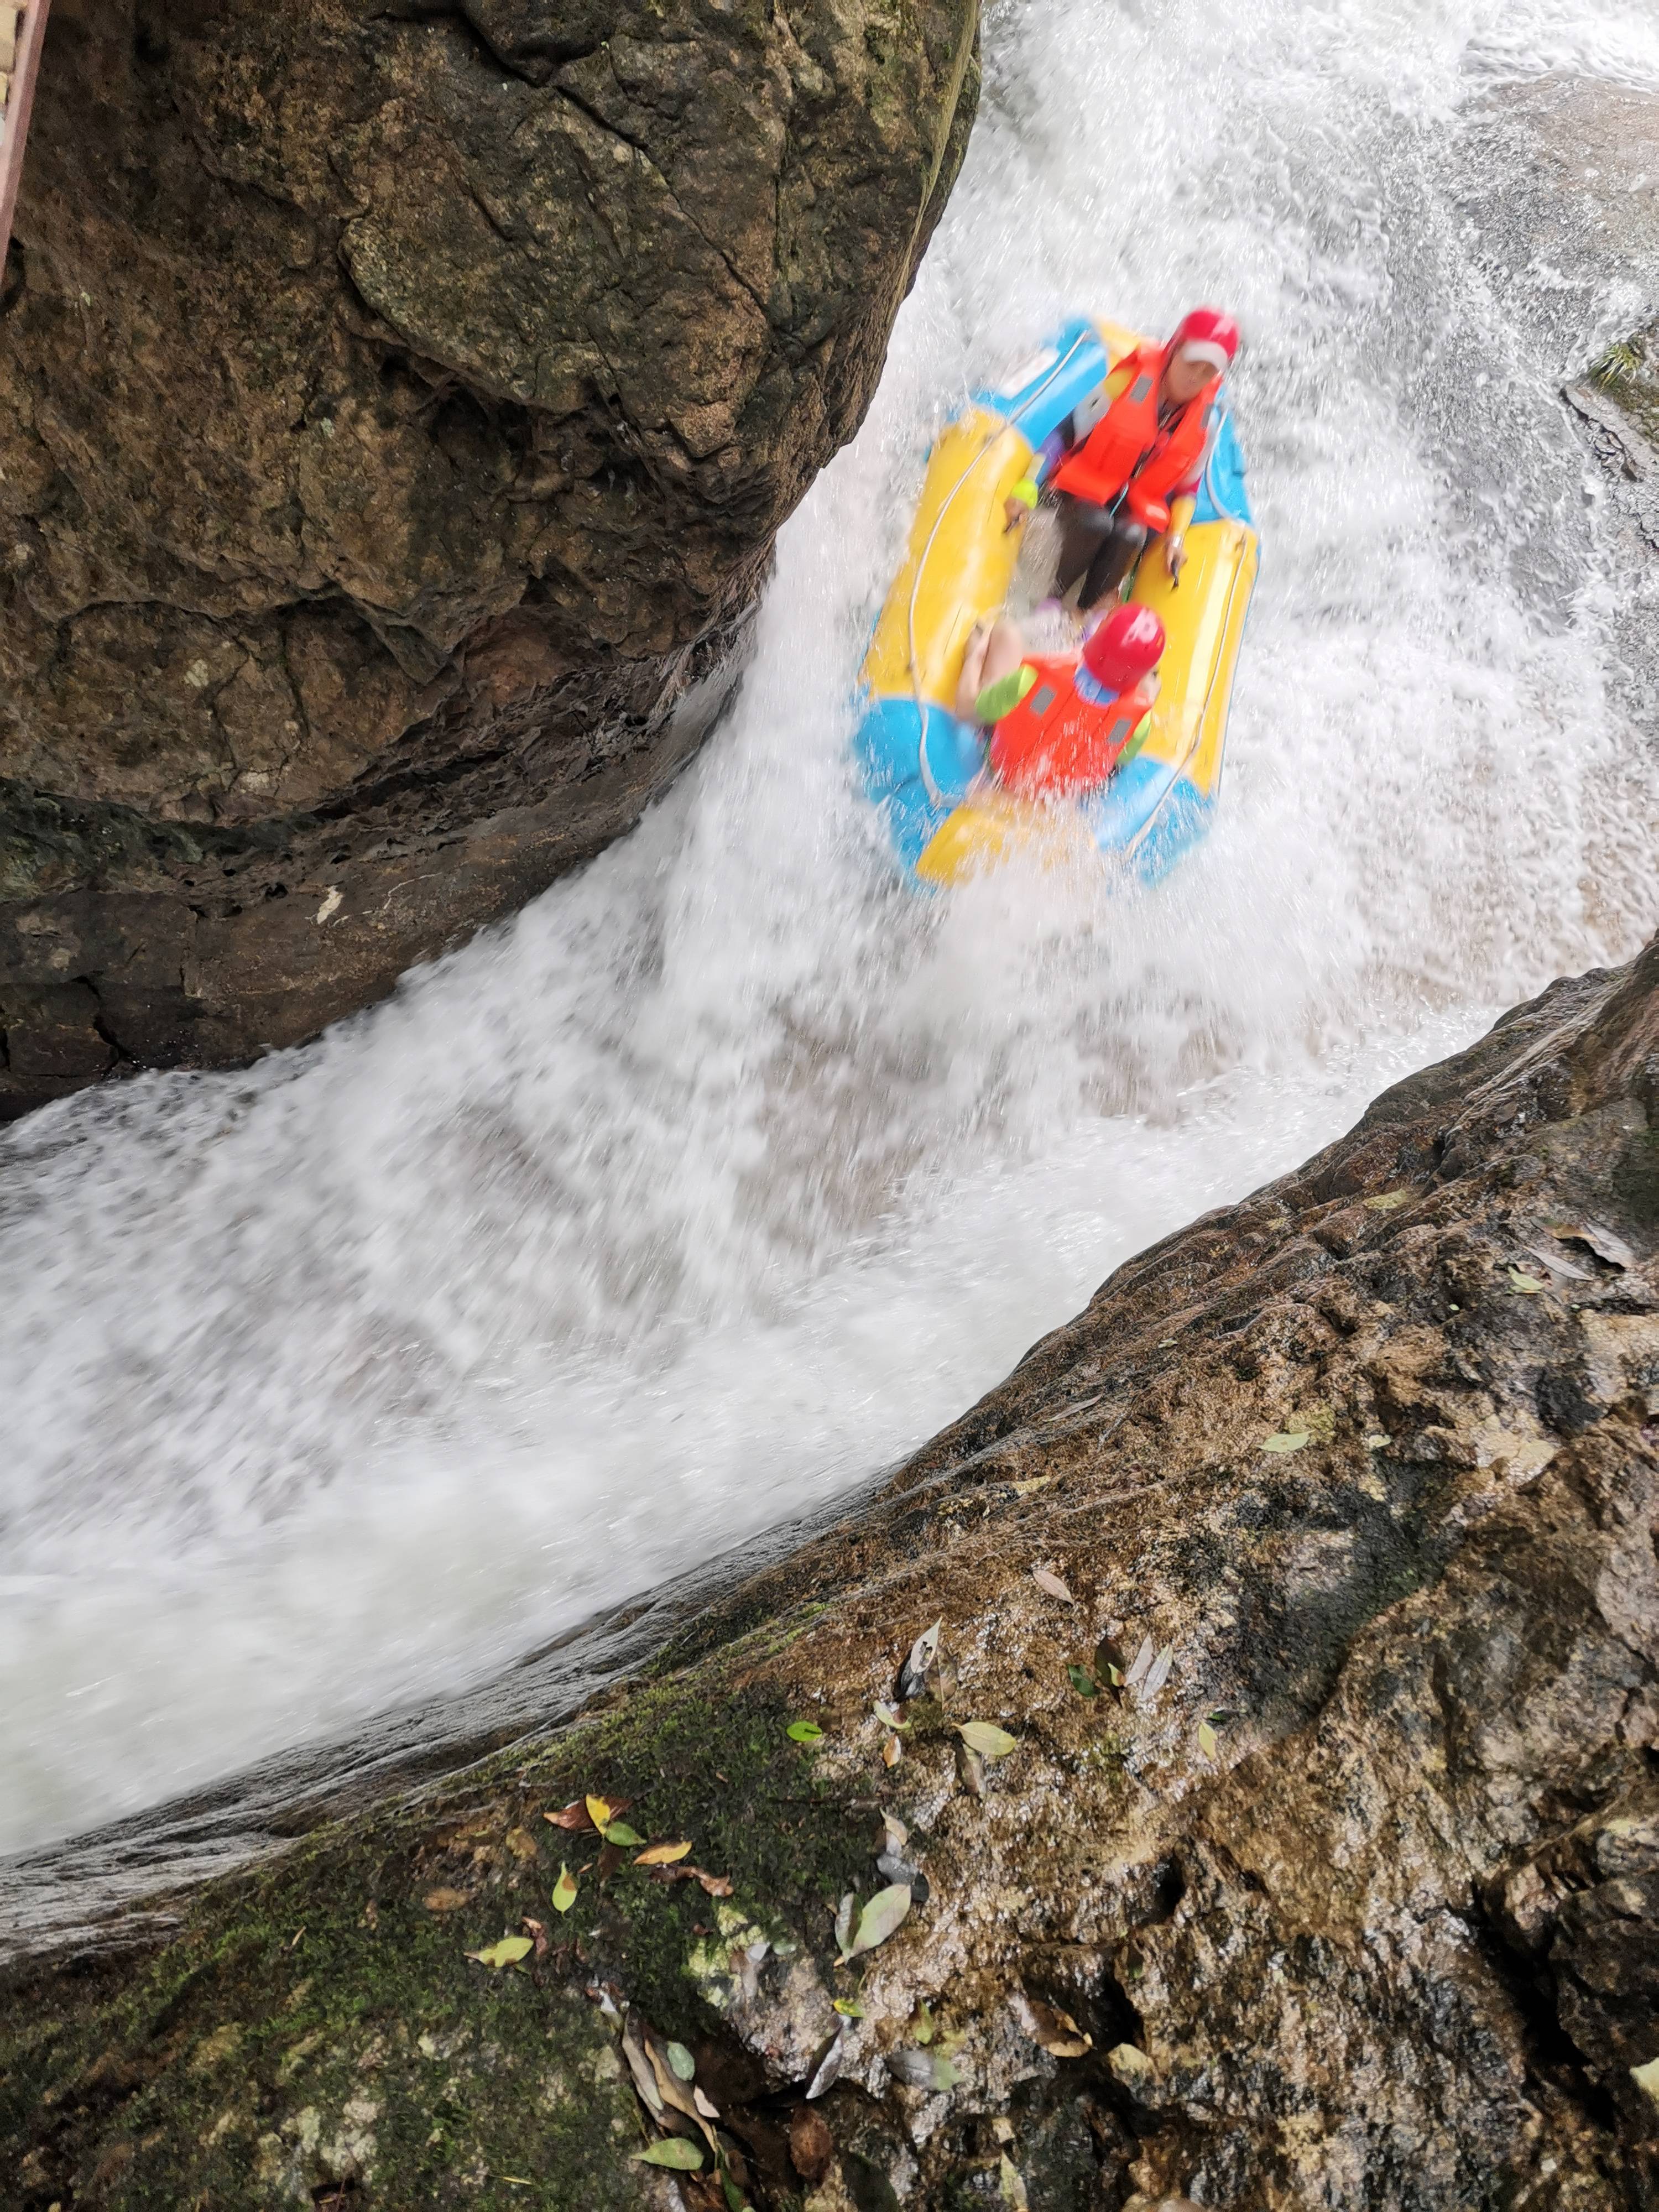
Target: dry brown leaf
[
  {"x": 574, "y": 1816},
  {"x": 446, "y": 1901},
  {"x": 663, "y": 1854},
  {"x": 717, "y": 1885},
  {"x": 812, "y": 2146},
  {"x": 1052, "y": 1584},
  {"x": 1051, "y": 2029},
  {"x": 538, "y": 1934},
  {"x": 891, "y": 1752}
]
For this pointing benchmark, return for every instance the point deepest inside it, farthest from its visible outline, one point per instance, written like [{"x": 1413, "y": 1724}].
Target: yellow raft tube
[{"x": 923, "y": 766}]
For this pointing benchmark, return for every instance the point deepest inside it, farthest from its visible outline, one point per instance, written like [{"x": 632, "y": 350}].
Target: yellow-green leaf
[
  {"x": 564, "y": 1890},
  {"x": 1011, "y": 2187},
  {"x": 1376, "y": 1441},
  {"x": 599, "y": 1812},
  {"x": 507, "y": 1953},
  {"x": 848, "y": 2009},
  {"x": 1385, "y": 1201},
  {"x": 680, "y": 2059},
  {"x": 879, "y": 1917},
  {"x": 987, "y": 1739},
  {"x": 620, "y": 1832},
  {"x": 1284, "y": 1440},
  {"x": 672, "y": 2151},
  {"x": 1529, "y": 1286},
  {"x": 663, "y": 1854},
  {"x": 1082, "y": 1682},
  {"x": 1208, "y": 1741},
  {"x": 804, "y": 1732}
]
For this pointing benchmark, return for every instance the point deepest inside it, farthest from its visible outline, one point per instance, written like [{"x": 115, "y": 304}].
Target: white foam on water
[{"x": 731, "y": 1168}]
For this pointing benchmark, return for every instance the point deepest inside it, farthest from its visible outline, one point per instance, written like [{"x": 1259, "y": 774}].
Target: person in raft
[
  {"x": 1133, "y": 473},
  {"x": 1064, "y": 722}
]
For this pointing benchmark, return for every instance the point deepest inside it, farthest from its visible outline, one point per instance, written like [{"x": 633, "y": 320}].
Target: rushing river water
[{"x": 731, "y": 1170}]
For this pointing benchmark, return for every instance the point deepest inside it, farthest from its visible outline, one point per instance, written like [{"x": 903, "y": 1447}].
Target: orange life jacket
[
  {"x": 1060, "y": 740},
  {"x": 1126, "y": 452}
]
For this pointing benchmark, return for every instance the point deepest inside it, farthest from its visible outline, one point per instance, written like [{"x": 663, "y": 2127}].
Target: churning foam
[{"x": 730, "y": 1170}]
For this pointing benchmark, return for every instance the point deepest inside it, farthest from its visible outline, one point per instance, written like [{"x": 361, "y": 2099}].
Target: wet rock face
[
  {"x": 1308, "y": 1585},
  {"x": 398, "y": 405}
]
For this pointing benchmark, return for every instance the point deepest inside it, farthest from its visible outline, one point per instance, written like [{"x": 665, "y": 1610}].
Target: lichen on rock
[{"x": 397, "y": 406}]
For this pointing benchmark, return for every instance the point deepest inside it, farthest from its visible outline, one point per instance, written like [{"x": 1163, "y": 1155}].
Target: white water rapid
[{"x": 731, "y": 1169}]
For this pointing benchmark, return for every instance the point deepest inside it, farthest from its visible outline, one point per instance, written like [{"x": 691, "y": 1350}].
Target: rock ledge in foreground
[{"x": 1344, "y": 1897}]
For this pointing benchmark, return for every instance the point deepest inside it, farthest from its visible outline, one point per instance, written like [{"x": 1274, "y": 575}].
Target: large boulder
[
  {"x": 1221, "y": 1765},
  {"x": 398, "y": 405}
]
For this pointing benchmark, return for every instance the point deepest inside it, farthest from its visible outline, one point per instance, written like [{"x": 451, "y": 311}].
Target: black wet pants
[{"x": 1099, "y": 543}]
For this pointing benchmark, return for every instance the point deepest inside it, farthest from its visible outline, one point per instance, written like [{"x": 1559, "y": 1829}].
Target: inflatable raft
[{"x": 923, "y": 765}]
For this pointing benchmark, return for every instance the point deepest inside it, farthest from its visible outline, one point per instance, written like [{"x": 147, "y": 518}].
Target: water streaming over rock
[{"x": 731, "y": 1170}]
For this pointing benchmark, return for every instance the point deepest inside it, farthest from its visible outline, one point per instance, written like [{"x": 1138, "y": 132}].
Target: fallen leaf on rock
[
  {"x": 537, "y": 1934},
  {"x": 1385, "y": 1201},
  {"x": 1376, "y": 1441},
  {"x": 507, "y": 1953},
  {"x": 1603, "y": 1241},
  {"x": 574, "y": 1816},
  {"x": 522, "y": 1844},
  {"x": 634, "y": 2051},
  {"x": 985, "y": 1737},
  {"x": 913, "y": 1676},
  {"x": 681, "y": 2060},
  {"x": 1111, "y": 1665},
  {"x": 1051, "y": 2029},
  {"x": 888, "y": 1716},
  {"x": 1158, "y": 1674},
  {"x": 717, "y": 1885},
  {"x": 1082, "y": 1680},
  {"x": 601, "y": 1812},
  {"x": 1033, "y": 1483},
  {"x": 707, "y": 2108},
  {"x": 891, "y": 1752},
  {"x": 620, "y": 1834},
  {"x": 829, "y": 2066},
  {"x": 886, "y": 1911},
  {"x": 849, "y": 2008},
  {"x": 610, "y": 1859},
  {"x": 893, "y": 1835},
  {"x": 971, "y": 1767},
  {"x": 1010, "y": 2186},
  {"x": 812, "y": 2146},
  {"x": 1284, "y": 1440},
  {"x": 673, "y": 2151},
  {"x": 1143, "y": 1660},
  {"x": 1208, "y": 1742},
  {"x": 1558, "y": 1266},
  {"x": 804, "y": 1732},
  {"x": 446, "y": 1901},
  {"x": 663, "y": 1854},
  {"x": 1052, "y": 1584},
  {"x": 1527, "y": 1285}
]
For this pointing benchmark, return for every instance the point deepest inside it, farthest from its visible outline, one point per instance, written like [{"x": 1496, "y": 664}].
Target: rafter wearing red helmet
[{"x": 1129, "y": 470}]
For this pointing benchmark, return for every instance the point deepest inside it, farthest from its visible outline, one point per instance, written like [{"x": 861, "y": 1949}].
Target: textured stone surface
[
  {"x": 1349, "y": 1901},
  {"x": 398, "y": 403}
]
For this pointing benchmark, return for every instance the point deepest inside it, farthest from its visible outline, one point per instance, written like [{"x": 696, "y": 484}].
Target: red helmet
[
  {"x": 1208, "y": 333},
  {"x": 1126, "y": 647}
]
